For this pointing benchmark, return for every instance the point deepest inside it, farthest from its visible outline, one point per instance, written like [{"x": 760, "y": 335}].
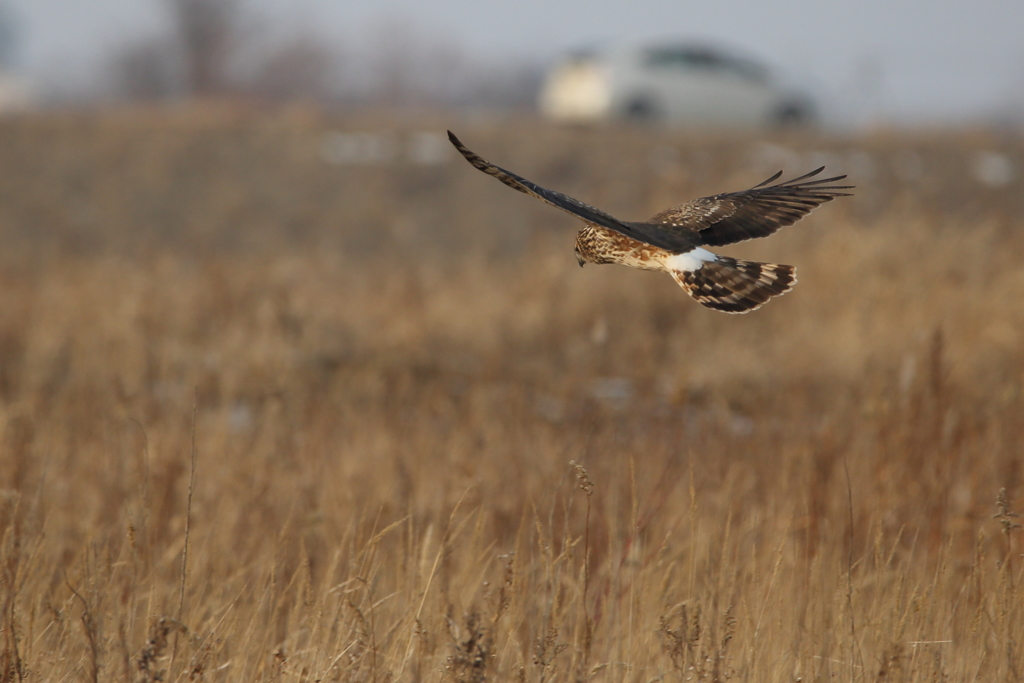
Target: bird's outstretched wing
[
  {"x": 649, "y": 233},
  {"x": 757, "y": 212}
]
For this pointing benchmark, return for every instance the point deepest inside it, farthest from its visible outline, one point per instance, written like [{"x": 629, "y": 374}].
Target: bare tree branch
[{"x": 207, "y": 30}]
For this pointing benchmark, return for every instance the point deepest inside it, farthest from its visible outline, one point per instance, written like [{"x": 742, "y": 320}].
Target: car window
[{"x": 704, "y": 60}]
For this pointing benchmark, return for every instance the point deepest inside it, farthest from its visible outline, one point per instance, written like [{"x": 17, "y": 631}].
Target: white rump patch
[{"x": 690, "y": 261}]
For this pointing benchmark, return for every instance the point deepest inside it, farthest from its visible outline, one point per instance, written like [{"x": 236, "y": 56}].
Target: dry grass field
[{"x": 384, "y": 365}]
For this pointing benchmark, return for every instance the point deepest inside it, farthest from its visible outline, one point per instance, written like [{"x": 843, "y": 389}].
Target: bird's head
[{"x": 583, "y": 247}]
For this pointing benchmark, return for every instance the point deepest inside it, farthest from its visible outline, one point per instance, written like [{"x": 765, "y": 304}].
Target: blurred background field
[
  {"x": 290, "y": 392},
  {"x": 391, "y": 360}
]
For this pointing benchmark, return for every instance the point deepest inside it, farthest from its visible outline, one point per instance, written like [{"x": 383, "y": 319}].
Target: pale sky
[{"x": 899, "y": 60}]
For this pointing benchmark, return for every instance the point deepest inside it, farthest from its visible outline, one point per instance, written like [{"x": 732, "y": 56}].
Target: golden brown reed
[{"x": 430, "y": 447}]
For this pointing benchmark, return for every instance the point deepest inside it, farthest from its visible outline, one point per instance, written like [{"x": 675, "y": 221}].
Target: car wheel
[
  {"x": 642, "y": 109},
  {"x": 793, "y": 114}
]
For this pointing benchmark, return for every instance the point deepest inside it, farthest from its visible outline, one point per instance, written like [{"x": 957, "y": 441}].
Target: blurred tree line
[{"x": 220, "y": 49}]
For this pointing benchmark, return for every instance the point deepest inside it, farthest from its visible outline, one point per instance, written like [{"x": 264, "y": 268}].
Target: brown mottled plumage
[{"x": 672, "y": 240}]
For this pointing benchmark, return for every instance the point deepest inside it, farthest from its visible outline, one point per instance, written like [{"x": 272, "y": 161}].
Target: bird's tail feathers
[{"x": 735, "y": 286}]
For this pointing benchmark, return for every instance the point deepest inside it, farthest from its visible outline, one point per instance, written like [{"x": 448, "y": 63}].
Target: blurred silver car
[{"x": 683, "y": 83}]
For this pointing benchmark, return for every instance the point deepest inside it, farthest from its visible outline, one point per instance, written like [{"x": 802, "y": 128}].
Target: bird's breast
[{"x": 601, "y": 245}]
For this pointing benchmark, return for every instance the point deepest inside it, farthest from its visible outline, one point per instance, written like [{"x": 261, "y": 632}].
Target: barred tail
[{"x": 734, "y": 286}]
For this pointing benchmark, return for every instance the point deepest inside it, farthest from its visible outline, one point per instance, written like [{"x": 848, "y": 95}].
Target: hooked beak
[{"x": 579, "y": 258}]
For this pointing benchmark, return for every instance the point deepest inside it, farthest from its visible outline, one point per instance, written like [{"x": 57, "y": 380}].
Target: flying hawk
[{"x": 672, "y": 241}]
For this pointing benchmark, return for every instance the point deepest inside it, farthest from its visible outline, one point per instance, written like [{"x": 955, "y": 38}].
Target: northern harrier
[{"x": 672, "y": 241}]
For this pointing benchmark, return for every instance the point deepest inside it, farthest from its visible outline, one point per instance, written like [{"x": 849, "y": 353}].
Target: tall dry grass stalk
[{"x": 388, "y": 399}]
